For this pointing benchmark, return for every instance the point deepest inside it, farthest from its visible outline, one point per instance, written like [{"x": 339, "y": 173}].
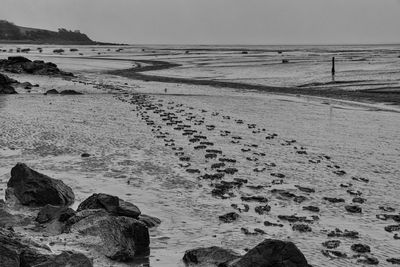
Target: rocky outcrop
[
  {"x": 32, "y": 188},
  {"x": 20, "y": 64},
  {"x": 209, "y": 256},
  {"x": 6, "y": 85},
  {"x": 111, "y": 204},
  {"x": 119, "y": 238},
  {"x": 18, "y": 251}
]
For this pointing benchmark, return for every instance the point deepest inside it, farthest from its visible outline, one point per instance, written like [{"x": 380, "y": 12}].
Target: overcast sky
[{"x": 215, "y": 21}]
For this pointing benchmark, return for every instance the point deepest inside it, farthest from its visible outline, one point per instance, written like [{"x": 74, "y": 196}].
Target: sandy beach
[{"x": 281, "y": 131}]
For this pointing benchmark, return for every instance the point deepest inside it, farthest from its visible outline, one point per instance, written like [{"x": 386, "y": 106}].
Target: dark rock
[
  {"x": 85, "y": 155},
  {"x": 393, "y": 261},
  {"x": 35, "y": 189},
  {"x": 293, "y": 218},
  {"x": 260, "y": 199},
  {"x": 229, "y": 217},
  {"x": 364, "y": 259},
  {"x": 117, "y": 237},
  {"x": 70, "y": 92},
  {"x": 360, "y": 248},
  {"x": 333, "y": 199},
  {"x": 305, "y": 189},
  {"x": 5, "y": 85},
  {"x": 339, "y": 233},
  {"x": 353, "y": 208},
  {"x": 271, "y": 253},
  {"x": 262, "y": 209},
  {"x": 392, "y": 228},
  {"x": 387, "y": 208},
  {"x": 267, "y": 223},
  {"x": 257, "y": 231},
  {"x": 301, "y": 228},
  {"x": 331, "y": 244},
  {"x": 111, "y": 204},
  {"x": 51, "y": 92},
  {"x": 149, "y": 221},
  {"x": 209, "y": 256},
  {"x": 333, "y": 254}
]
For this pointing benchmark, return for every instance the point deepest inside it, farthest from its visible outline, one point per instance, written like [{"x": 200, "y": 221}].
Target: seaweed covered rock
[
  {"x": 119, "y": 238},
  {"x": 32, "y": 188},
  {"x": 6, "y": 85},
  {"x": 112, "y": 204}
]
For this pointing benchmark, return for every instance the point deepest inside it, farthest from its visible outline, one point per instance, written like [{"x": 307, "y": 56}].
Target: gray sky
[{"x": 215, "y": 21}]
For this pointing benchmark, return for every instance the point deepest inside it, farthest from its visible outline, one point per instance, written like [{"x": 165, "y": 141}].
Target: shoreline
[{"x": 391, "y": 98}]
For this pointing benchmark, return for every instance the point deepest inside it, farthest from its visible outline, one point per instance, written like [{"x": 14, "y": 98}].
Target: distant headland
[{"x": 11, "y": 33}]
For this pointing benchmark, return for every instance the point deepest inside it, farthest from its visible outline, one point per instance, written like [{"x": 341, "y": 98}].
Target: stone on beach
[
  {"x": 271, "y": 253},
  {"x": 35, "y": 189},
  {"x": 112, "y": 204},
  {"x": 119, "y": 238},
  {"x": 51, "y": 92}
]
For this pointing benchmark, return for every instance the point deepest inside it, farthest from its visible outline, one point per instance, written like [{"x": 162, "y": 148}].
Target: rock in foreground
[
  {"x": 272, "y": 253},
  {"x": 35, "y": 189},
  {"x": 269, "y": 253},
  {"x": 117, "y": 237}
]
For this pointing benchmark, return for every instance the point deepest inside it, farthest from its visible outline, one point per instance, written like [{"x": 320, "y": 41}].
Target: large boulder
[
  {"x": 272, "y": 253},
  {"x": 112, "y": 204},
  {"x": 5, "y": 85},
  {"x": 117, "y": 237},
  {"x": 211, "y": 256},
  {"x": 35, "y": 189},
  {"x": 16, "y": 250}
]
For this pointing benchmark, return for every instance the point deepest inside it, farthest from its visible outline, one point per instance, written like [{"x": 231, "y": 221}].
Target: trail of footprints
[{"x": 166, "y": 118}]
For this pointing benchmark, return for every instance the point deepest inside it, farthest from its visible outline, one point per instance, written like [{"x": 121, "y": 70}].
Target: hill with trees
[{"x": 11, "y": 33}]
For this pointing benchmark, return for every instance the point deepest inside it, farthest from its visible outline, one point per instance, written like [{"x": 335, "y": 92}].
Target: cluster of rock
[
  {"x": 269, "y": 253},
  {"x": 6, "y": 85},
  {"x": 115, "y": 227},
  {"x": 19, "y": 64}
]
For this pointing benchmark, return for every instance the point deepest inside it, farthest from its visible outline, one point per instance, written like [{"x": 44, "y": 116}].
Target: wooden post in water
[{"x": 333, "y": 68}]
